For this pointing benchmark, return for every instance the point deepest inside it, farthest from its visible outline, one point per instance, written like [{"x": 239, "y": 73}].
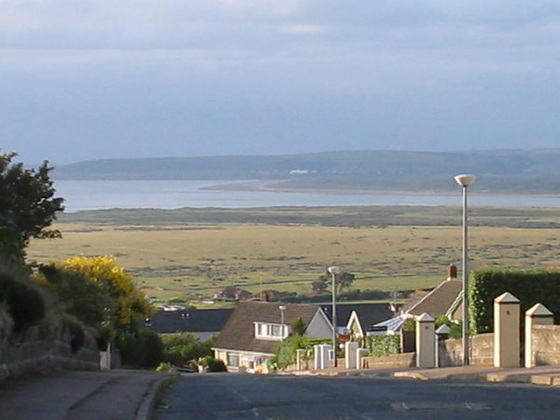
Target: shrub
[
  {"x": 215, "y": 365},
  {"x": 456, "y": 329},
  {"x": 140, "y": 348},
  {"x": 285, "y": 354},
  {"x": 180, "y": 349},
  {"x": 76, "y": 329},
  {"x": 383, "y": 345},
  {"x": 164, "y": 367},
  {"x": 25, "y": 303}
]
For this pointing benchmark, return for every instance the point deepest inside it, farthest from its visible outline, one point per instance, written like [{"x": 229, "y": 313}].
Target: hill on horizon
[{"x": 528, "y": 171}]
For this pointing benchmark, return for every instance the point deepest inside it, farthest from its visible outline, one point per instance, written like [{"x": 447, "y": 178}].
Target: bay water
[{"x": 96, "y": 195}]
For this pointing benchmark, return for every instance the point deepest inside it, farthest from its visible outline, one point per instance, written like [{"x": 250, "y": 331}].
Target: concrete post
[
  {"x": 441, "y": 334},
  {"x": 300, "y": 355},
  {"x": 537, "y": 315},
  {"x": 350, "y": 350},
  {"x": 425, "y": 342},
  {"x": 361, "y": 353},
  {"x": 322, "y": 358},
  {"x": 507, "y": 344}
]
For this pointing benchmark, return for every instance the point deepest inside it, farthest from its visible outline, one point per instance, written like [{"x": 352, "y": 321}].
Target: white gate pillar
[
  {"x": 350, "y": 350},
  {"x": 425, "y": 342},
  {"x": 537, "y": 315},
  {"x": 507, "y": 344}
]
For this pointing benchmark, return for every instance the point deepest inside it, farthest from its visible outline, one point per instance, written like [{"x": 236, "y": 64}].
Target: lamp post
[
  {"x": 282, "y": 309},
  {"x": 334, "y": 270},
  {"x": 464, "y": 181}
]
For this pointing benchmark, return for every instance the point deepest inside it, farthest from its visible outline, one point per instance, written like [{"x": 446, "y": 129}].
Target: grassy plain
[{"x": 185, "y": 259}]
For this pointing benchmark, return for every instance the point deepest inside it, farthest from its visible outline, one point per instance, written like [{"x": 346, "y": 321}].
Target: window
[
  {"x": 270, "y": 331},
  {"x": 233, "y": 359}
]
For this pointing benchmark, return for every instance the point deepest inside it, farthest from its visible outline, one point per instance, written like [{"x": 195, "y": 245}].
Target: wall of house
[
  {"x": 319, "y": 327},
  {"x": 482, "y": 351},
  {"x": 246, "y": 361},
  {"x": 546, "y": 344}
]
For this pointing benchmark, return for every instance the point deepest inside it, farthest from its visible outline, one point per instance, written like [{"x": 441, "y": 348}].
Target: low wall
[
  {"x": 482, "y": 351},
  {"x": 392, "y": 360},
  {"x": 546, "y": 344},
  {"x": 29, "y": 356}
]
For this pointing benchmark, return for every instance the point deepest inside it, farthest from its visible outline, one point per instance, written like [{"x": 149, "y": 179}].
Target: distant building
[{"x": 232, "y": 293}]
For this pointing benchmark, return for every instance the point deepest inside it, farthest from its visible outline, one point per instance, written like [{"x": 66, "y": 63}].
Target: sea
[{"x": 99, "y": 195}]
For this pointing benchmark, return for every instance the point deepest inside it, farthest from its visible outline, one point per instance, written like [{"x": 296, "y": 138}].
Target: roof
[
  {"x": 393, "y": 324},
  {"x": 239, "y": 331},
  {"x": 189, "y": 320},
  {"x": 440, "y": 300},
  {"x": 368, "y": 313},
  {"x": 413, "y": 299}
]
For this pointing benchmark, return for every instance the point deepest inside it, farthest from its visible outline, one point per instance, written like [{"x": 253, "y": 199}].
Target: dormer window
[{"x": 268, "y": 331}]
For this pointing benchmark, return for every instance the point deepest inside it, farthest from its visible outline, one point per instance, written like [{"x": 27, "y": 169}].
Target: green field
[{"x": 187, "y": 257}]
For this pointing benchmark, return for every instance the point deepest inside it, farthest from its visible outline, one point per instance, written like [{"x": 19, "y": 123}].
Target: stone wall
[
  {"x": 546, "y": 344},
  {"x": 392, "y": 360},
  {"x": 482, "y": 351},
  {"x": 35, "y": 355}
]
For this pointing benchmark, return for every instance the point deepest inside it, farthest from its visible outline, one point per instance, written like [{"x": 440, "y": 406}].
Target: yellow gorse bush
[{"x": 128, "y": 302}]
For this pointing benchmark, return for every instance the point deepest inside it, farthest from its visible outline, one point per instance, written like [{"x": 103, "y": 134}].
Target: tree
[
  {"x": 27, "y": 205},
  {"x": 298, "y": 326},
  {"x": 342, "y": 280}
]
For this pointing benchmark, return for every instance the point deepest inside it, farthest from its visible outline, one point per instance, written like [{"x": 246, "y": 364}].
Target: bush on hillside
[
  {"x": 76, "y": 330},
  {"x": 24, "y": 302}
]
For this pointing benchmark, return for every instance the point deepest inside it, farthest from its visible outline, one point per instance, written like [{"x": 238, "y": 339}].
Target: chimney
[{"x": 451, "y": 272}]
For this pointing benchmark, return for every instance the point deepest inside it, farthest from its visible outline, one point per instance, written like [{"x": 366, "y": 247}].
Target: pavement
[
  {"x": 132, "y": 395},
  {"x": 81, "y": 395}
]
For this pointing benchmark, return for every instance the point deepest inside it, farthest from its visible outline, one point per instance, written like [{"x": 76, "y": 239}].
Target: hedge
[
  {"x": 530, "y": 287},
  {"x": 383, "y": 345}
]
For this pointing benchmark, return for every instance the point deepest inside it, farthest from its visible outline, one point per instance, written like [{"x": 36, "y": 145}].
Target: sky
[{"x": 95, "y": 79}]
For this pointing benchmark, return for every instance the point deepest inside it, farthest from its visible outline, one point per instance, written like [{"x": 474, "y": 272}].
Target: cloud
[{"x": 243, "y": 76}]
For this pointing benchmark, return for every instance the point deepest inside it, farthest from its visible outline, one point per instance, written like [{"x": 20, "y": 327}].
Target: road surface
[{"x": 239, "y": 396}]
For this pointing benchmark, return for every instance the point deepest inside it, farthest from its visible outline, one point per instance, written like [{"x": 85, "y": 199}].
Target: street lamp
[
  {"x": 282, "y": 309},
  {"x": 464, "y": 181},
  {"x": 334, "y": 270}
]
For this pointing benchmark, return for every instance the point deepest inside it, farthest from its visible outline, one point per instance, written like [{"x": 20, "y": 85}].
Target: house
[
  {"x": 255, "y": 329},
  {"x": 357, "y": 318},
  {"x": 232, "y": 293},
  {"x": 202, "y": 323},
  {"x": 444, "y": 299}
]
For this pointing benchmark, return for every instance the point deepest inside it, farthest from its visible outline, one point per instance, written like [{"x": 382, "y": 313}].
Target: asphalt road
[{"x": 235, "y": 396}]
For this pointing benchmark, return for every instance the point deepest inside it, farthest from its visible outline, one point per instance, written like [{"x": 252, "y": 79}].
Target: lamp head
[
  {"x": 464, "y": 180},
  {"x": 333, "y": 269}
]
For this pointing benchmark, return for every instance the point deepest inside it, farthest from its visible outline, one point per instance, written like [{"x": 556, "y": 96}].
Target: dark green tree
[
  {"x": 298, "y": 326},
  {"x": 28, "y": 206},
  {"x": 343, "y": 280}
]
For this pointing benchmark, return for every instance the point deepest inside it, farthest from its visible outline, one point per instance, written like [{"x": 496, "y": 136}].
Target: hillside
[{"x": 533, "y": 171}]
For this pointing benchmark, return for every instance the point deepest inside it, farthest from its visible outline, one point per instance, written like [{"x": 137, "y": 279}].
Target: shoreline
[{"x": 270, "y": 186}]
